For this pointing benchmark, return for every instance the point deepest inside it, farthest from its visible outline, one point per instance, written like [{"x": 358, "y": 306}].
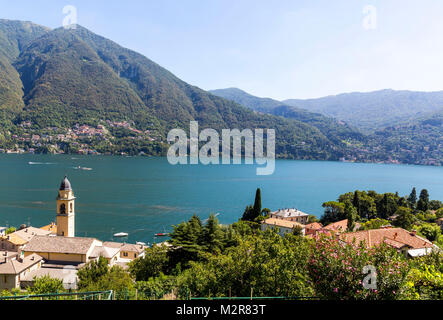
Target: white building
[{"x": 290, "y": 215}]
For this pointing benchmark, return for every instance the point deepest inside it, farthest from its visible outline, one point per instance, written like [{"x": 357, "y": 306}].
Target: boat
[
  {"x": 120, "y": 235},
  {"x": 162, "y": 234},
  {"x": 140, "y": 243}
]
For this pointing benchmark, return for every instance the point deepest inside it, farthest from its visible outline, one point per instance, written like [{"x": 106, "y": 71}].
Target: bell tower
[{"x": 65, "y": 210}]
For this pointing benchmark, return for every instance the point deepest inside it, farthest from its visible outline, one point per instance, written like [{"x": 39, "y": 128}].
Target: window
[{"x": 62, "y": 209}]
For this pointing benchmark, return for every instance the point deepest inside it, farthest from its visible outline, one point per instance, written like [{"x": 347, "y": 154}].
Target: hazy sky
[{"x": 279, "y": 49}]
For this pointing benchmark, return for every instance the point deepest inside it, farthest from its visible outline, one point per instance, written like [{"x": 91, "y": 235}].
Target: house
[
  {"x": 290, "y": 215},
  {"x": 283, "y": 226},
  {"x": 62, "y": 249},
  {"x": 404, "y": 241},
  {"x": 439, "y": 222},
  {"x": 12, "y": 242},
  {"x": 12, "y": 271},
  {"x": 110, "y": 254},
  {"x": 312, "y": 228},
  {"x": 16, "y": 240},
  {"x": 315, "y": 231},
  {"x": 128, "y": 252}
]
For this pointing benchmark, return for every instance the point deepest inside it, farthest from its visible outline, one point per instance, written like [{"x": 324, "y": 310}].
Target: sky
[{"x": 281, "y": 49}]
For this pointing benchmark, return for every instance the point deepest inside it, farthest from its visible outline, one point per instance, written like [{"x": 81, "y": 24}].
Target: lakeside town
[
  {"x": 80, "y": 139},
  {"x": 32, "y": 258}
]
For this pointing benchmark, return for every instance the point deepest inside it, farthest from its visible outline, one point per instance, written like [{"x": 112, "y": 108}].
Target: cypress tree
[
  {"x": 257, "y": 203},
  {"x": 412, "y": 198},
  {"x": 423, "y": 201},
  {"x": 356, "y": 202}
]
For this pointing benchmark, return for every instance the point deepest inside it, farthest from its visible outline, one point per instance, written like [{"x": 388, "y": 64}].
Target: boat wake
[{"x": 40, "y": 163}]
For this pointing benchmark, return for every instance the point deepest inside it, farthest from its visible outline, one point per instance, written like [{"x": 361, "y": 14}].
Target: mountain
[
  {"x": 336, "y": 131},
  {"x": 374, "y": 110},
  {"x": 57, "y": 80},
  {"x": 415, "y": 140},
  {"x": 14, "y": 36}
]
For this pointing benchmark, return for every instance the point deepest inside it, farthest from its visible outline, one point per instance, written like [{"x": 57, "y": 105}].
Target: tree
[
  {"x": 212, "y": 235},
  {"x": 412, "y": 198},
  {"x": 312, "y": 219},
  {"x": 248, "y": 214},
  {"x": 253, "y": 213},
  {"x": 334, "y": 211},
  {"x": 356, "y": 201},
  {"x": 46, "y": 284},
  {"x": 387, "y": 206},
  {"x": 351, "y": 214},
  {"x": 435, "y": 204},
  {"x": 429, "y": 231},
  {"x": 423, "y": 201},
  {"x": 257, "y": 203},
  {"x": 405, "y": 219},
  {"x": 297, "y": 231},
  {"x": 10, "y": 230},
  {"x": 92, "y": 272},
  {"x": 154, "y": 262},
  {"x": 187, "y": 239}
]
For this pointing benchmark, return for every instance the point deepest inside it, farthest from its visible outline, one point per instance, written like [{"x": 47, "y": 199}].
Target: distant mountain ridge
[
  {"x": 415, "y": 137},
  {"x": 376, "y": 110},
  {"x": 335, "y": 130}
]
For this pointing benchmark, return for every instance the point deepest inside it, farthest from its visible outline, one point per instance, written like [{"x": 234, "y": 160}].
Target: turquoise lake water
[{"x": 143, "y": 196}]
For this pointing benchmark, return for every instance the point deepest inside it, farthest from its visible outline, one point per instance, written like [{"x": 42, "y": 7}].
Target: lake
[{"x": 143, "y": 196}]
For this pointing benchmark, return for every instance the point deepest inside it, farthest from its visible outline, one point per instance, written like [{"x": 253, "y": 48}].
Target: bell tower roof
[{"x": 65, "y": 185}]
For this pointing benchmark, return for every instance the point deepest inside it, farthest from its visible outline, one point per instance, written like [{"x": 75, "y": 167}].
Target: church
[
  {"x": 66, "y": 210},
  {"x": 34, "y": 252}
]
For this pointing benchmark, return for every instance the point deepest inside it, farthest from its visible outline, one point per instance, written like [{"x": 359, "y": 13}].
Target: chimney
[{"x": 413, "y": 232}]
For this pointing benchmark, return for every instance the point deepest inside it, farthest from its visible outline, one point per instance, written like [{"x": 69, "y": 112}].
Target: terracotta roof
[
  {"x": 125, "y": 246},
  {"x": 396, "y": 237},
  {"x": 59, "y": 245},
  {"x": 282, "y": 223},
  {"x": 340, "y": 226},
  {"x": 314, "y": 226},
  {"x": 17, "y": 267}
]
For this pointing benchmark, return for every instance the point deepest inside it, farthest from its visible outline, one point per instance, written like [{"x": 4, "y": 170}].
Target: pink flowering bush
[{"x": 336, "y": 271}]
